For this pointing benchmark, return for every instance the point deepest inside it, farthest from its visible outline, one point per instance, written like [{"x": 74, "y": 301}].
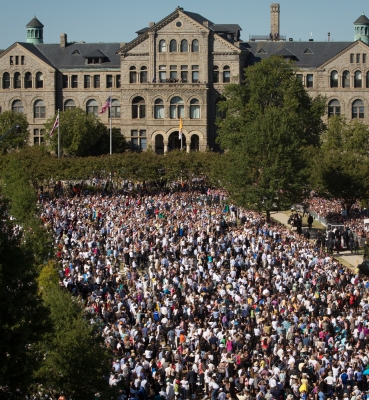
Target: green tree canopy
[
  {"x": 82, "y": 134},
  {"x": 15, "y": 139},
  {"x": 342, "y": 167},
  {"x": 23, "y": 317},
  {"x": 270, "y": 121}
]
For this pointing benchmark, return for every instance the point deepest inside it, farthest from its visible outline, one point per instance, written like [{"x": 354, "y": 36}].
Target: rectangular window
[
  {"x": 352, "y": 58},
  {"x": 74, "y": 81},
  {"x": 97, "y": 81},
  {"x": 22, "y": 60},
  {"x": 138, "y": 140},
  {"x": 162, "y": 73},
  {"x": 65, "y": 81},
  {"x": 117, "y": 81},
  {"x": 38, "y": 136},
  {"x": 87, "y": 81},
  {"x": 309, "y": 80},
  {"x": 16, "y": 60},
  {"x": 364, "y": 58},
  {"x": 300, "y": 76},
  {"x": 11, "y": 60},
  {"x": 358, "y": 58},
  {"x": 184, "y": 73},
  {"x": 109, "y": 81},
  {"x": 195, "y": 74},
  {"x": 215, "y": 76}
]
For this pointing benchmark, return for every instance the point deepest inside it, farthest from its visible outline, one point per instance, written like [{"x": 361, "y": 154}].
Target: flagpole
[
  {"x": 111, "y": 135},
  {"x": 58, "y": 135}
]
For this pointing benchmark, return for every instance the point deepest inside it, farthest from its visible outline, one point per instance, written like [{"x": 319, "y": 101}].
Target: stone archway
[
  {"x": 174, "y": 143},
  {"x": 159, "y": 144},
  {"x": 195, "y": 143}
]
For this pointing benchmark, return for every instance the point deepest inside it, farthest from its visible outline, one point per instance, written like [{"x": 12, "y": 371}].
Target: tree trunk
[{"x": 268, "y": 216}]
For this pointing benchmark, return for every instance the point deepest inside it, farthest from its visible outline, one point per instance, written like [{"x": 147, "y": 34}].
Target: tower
[
  {"x": 362, "y": 29},
  {"x": 274, "y": 21},
  {"x": 35, "y": 31}
]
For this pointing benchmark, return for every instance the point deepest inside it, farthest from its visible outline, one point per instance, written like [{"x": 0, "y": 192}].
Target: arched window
[
  {"x": 69, "y": 105},
  {"x": 92, "y": 107},
  {"x": 17, "y": 106},
  {"x": 39, "y": 80},
  {"x": 346, "y": 79},
  {"x": 334, "y": 79},
  {"x": 132, "y": 75},
  {"x": 184, "y": 46},
  {"x": 115, "y": 109},
  {"x": 334, "y": 108},
  {"x": 194, "y": 109},
  {"x": 215, "y": 74},
  {"x": 226, "y": 74},
  {"x": 195, "y": 46},
  {"x": 162, "y": 46},
  {"x": 176, "y": 108},
  {"x": 358, "y": 81},
  {"x": 17, "y": 81},
  {"x": 358, "y": 109},
  {"x": 173, "y": 46},
  {"x": 159, "y": 109},
  {"x": 39, "y": 109},
  {"x": 143, "y": 75},
  {"x": 6, "y": 80},
  {"x": 28, "y": 80},
  {"x": 138, "y": 108}
]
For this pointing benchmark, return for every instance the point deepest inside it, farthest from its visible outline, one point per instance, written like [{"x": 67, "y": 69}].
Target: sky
[{"x": 118, "y": 20}]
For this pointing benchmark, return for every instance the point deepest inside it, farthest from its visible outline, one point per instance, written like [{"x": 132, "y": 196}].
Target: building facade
[{"x": 173, "y": 70}]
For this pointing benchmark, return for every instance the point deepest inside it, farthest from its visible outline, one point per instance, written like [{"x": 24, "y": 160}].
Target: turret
[
  {"x": 35, "y": 31},
  {"x": 362, "y": 29}
]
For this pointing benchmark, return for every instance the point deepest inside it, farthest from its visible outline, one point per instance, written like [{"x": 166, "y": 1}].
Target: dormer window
[
  {"x": 94, "y": 60},
  {"x": 76, "y": 53},
  {"x": 96, "y": 57}
]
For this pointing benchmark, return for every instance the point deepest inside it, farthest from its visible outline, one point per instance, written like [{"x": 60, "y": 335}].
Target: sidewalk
[{"x": 346, "y": 256}]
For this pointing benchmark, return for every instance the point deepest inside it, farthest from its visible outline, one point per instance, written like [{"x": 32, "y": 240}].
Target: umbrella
[{"x": 366, "y": 372}]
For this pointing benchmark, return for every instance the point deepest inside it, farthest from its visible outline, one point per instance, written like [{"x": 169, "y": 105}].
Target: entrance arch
[
  {"x": 159, "y": 144},
  {"x": 195, "y": 143},
  {"x": 174, "y": 143}
]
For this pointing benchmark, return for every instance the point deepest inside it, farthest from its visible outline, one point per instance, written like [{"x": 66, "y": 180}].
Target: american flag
[
  {"x": 56, "y": 125},
  {"x": 106, "y": 105}
]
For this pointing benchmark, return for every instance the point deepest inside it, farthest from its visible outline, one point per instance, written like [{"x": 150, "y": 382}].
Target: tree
[
  {"x": 23, "y": 318},
  {"x": 270, "y": 121},
  {"x": 341, "y": 168},
  {"x": 75, "y": 360},
  {"x": 119, "y": 143},
  {"x": 15, "y": 139},
  {"x": 80, "y": 134}
]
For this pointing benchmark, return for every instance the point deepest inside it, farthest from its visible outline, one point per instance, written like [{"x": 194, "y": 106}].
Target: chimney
[
  {"x": 151, "y": 24},
  {"x": 329, "y": 36},
  {"x": 206, "y": 23},
  {"x": 274, "y": 21},
  {"x": 63, "y": 40}
]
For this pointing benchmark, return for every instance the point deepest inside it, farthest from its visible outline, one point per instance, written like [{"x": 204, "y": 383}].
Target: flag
[
  {"x": 56, "y": 125},
  {"x": 180, "y": 128},
  {"x": 106, "y": 105}
]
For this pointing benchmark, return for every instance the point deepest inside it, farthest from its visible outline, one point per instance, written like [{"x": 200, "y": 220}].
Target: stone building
[{"x": 174, "y": 69}]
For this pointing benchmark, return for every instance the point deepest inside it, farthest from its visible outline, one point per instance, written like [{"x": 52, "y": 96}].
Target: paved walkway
[{"x": 352, "y": 259}]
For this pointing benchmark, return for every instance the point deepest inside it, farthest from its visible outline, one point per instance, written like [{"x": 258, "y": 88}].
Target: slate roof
[
  {"x": 362, "y": 20},
  {"x": 34, "y": 50},
  {"x": 34, "y": 23},
  {"x": 143, "y": 30},
  {"x": 63, "y": 58},
  {"x": 284, "y": 53},
  {"x": 234, "y": 28},
  {"x": 321, "y": 51},
  {"x": 197, "y": 17}
]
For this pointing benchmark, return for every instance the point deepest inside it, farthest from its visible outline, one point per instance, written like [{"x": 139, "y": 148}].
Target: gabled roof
[
  {"x": 34, "y": 23},
  {"x": 143, "y": 30},
  {"x": 233, "y": 28},
  {"x": 362, "y": 20},
  {"x": 96, "y": 53},
  {"x": 156, "y": 27},
  {"x": 322, "y": 51},
  {"x": 32, "y": 49},
  {"x": 284, "y": 53}
]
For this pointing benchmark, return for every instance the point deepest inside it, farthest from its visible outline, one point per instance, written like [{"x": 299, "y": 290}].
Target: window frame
[
  {"x": 97, "y": 81},
  {"x": 138, "y": 136},
  {"x": 138, "y": 109},
  {"x": 226, "y": 74},
  {"x": 162, "y": 46},
  {"x": 17, "y": 108},
  {"x": 334, "y": 109},
  {"x": 184, "y": 46},
  {"x": 69, "y": 107},
  {"x": 198, "y": 46},
  {"x": 17, "y": 80},
  {"x": 333, "y": 83},
  {"x": 39, "y": 81},
  {"x": 195, "y": 106},
  {"x": 39, "y": 109},
  {"x": 173, "y": 46},
  {"x": 28, "y": 82},
  {"x": 358, "y": 110},
  {"x": 159, "y": 108},
  {"x": 176, "y": 108},
  {"x": 115, "y": 109},
  {"x": 92, "y": 109}
]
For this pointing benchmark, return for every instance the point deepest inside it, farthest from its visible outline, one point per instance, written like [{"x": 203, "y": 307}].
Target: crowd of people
[
  {"x": 200, "y": 299},
  {"x": 333, "y": 212}
]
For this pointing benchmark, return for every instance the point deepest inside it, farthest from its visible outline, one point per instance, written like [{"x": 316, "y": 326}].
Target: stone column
[
  {"x": 188, "y": 148},
  {"x": 165, "y": 147}
]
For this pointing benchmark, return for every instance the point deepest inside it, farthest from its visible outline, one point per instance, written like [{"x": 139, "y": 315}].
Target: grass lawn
[{"x": 316, "y": 224}]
